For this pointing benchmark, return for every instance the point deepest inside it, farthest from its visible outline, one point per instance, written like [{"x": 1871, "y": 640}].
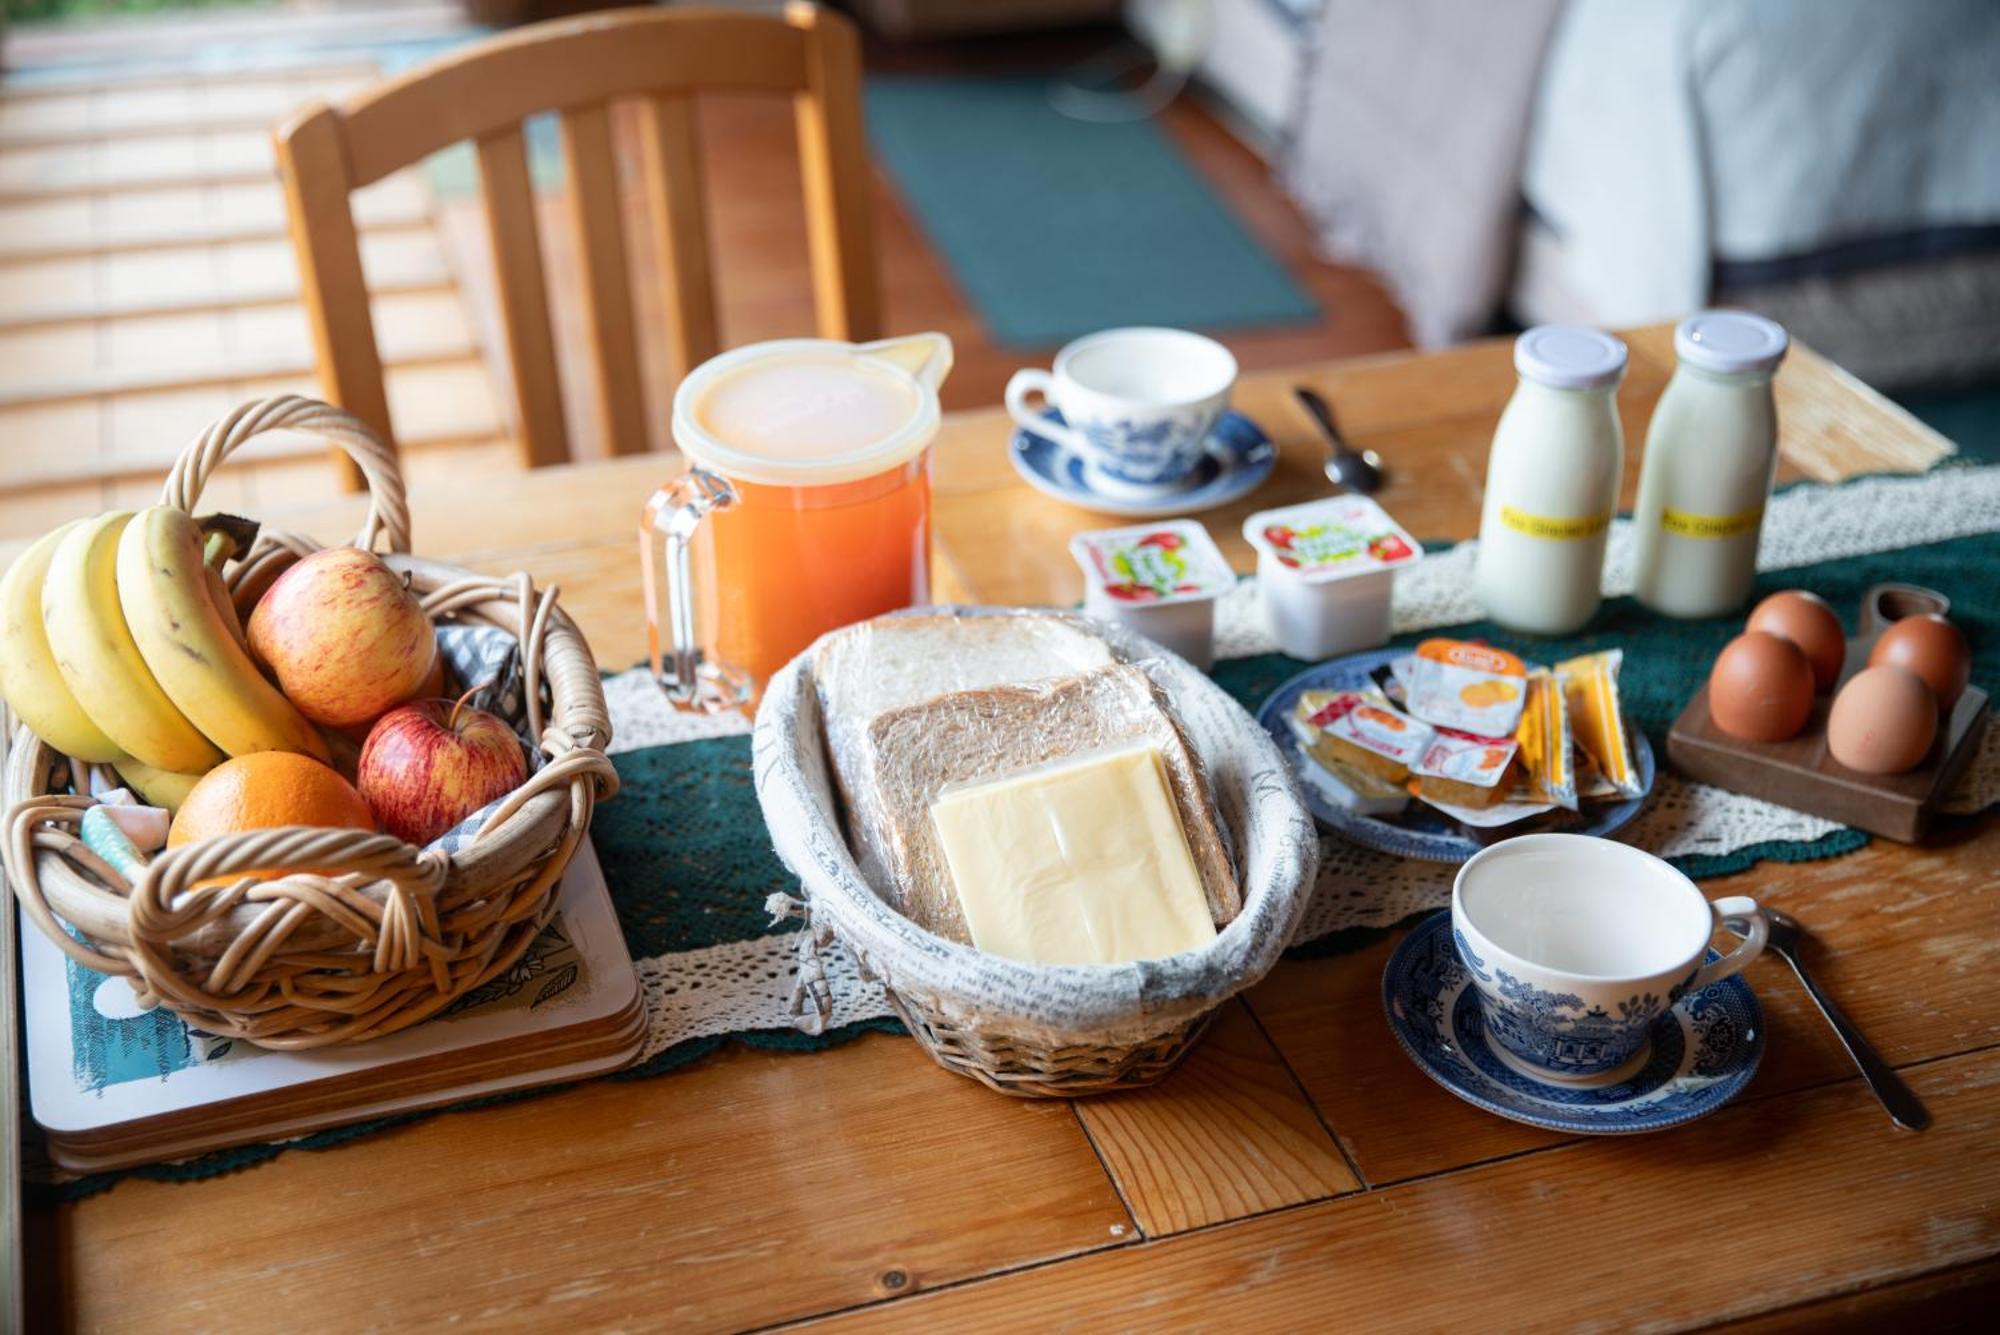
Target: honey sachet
[
  {"x": 1549, "y": 773},
  {"x": 1590, "y": 686}
]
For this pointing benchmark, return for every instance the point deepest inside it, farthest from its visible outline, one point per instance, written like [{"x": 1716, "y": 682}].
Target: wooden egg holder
[{"x": 1800, "y": 774}]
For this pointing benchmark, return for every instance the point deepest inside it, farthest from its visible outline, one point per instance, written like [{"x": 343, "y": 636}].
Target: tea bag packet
[
  {"x": 923, "y": 751},
  {"x": 1471, "y": 687},
  {"x": 1549, "y": 772},
  {"x": 1590, "y": 687}
]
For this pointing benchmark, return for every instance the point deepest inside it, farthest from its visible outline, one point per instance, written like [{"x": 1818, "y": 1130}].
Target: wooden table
[{"x": 1297, "y": 1170}]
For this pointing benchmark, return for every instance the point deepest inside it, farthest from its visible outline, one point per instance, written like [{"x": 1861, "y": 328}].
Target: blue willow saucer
[
  {"x": 1238, "y": 458},
  {"x": 1419, "y": 831},
  {"x": 1704, "y": 1050}
]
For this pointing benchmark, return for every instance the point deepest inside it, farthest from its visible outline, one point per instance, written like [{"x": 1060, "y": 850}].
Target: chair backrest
[{"x": 657, "y": 58}]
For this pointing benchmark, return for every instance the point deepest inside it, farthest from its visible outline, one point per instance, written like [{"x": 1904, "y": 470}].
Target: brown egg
[
  {"x": 1883, "y": 721},
  {"x": 1761, "y": 688},
  {"x": 1805, "y": 619},
  {"x": 1931, "y": 647}
]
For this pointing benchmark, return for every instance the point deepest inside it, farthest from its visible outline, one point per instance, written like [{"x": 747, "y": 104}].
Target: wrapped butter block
[
  {"x": 967, "y": 737},
  {"x": 1079, "y": 861}
]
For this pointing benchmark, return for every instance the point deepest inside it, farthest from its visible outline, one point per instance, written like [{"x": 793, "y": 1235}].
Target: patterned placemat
[{"x": 690, "y": 867}]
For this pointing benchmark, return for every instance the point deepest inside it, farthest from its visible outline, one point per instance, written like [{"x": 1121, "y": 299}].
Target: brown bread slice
[{"x": 969, "y": 736}]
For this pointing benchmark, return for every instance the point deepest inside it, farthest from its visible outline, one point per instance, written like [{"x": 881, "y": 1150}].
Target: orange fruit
[{"x": 263, "y": 791}]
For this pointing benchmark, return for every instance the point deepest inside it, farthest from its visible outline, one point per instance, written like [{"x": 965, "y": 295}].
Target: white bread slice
[
  {"x": 973, "y": 735},
  {"x": 879, "y": 665}
]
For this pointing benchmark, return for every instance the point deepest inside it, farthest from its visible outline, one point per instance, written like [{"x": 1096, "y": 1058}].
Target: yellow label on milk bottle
[
  {"x": 1683, "y": 524},
  {"x": 1554, "y": 530}
]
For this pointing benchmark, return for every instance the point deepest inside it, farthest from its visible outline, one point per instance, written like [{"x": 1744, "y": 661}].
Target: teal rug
[{"x": 1054, "y": 227}]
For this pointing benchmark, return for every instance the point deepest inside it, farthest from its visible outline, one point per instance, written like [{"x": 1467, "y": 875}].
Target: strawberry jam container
[
  {"x": 1160, "y": 580},
  {"x": 1324, "y": 572}
]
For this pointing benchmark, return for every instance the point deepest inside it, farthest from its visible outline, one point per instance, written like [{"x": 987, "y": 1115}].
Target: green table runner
[{"x": 690, "y": 867}]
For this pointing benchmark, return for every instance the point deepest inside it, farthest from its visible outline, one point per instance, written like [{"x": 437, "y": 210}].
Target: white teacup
[
  {"x": 1137, "y": 405},
  {"x": 1577, "y": 945}
]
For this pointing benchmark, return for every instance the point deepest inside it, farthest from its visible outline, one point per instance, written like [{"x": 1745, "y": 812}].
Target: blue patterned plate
[
  {"x": 1704, "y": 1050},
  {"x": 1240, "y": 456},
  {"x": 1419, "y": 831}
]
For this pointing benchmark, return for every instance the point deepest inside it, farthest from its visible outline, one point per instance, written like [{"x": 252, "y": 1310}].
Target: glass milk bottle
[
  {"x": 1552, "y": 482},
  {"x": 1711, "y": 451}
]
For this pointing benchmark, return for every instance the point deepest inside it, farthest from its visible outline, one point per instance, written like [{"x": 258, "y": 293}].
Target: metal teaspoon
[
  {"x": 1903, "y": 1106},
  {"x": 1357, "y": 470}
]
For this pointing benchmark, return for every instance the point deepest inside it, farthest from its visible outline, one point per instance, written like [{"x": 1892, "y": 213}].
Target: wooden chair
[{"x": 657, "y": 58}]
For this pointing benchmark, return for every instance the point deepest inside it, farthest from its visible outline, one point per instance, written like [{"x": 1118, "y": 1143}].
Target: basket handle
[
  {"x": 388, "y": 508},
  {"x": 187, "y": 888}
]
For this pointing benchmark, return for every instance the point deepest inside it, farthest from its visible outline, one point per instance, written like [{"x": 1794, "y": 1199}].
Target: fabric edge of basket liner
[{"x": 1256, "y": 797}]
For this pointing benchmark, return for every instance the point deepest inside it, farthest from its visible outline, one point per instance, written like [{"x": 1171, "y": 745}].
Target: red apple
[
  {"x": 429, "y": 765},
  {"x": 344, "y": 636}
]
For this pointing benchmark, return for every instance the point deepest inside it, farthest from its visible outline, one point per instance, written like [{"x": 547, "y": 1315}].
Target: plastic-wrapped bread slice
[
  {"x": 969, "y": 736},
  {"x": 872, "y": 667}
]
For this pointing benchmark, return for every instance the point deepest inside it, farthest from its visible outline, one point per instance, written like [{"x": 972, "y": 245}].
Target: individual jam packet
[
  {"x": 1549, "y": 772},
  {"x": 1363, "y": 730},
  {"x": 1464, "y": 770},
  {"x": 1590, "y": 685},
  {"x": 1474, "y": 688},
  {"x": 1345, "y": 785}
]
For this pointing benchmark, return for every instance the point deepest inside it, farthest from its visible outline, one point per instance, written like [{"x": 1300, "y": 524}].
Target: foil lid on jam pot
[
  {"x": 1335, "y": 538},
  {"x": 1148, "y": 565}
]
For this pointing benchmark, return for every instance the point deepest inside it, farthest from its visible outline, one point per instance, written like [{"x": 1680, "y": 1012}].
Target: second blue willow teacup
[
  {"x": 1576, "y": 945},
  {"x": 1137, "y": 405}
]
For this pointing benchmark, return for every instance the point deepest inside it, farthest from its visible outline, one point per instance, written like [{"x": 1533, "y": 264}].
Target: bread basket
[
  {"x": 1048, "y": 1031},
  {"x": 305, "y": 960}
]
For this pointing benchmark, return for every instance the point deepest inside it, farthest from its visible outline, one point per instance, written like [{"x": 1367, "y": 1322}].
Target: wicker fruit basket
[
  {"x": 228, "y": 932},
  {"x": 1039, "y": 1030}
]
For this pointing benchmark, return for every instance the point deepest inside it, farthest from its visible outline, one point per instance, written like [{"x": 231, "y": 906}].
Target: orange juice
[
  {"x": 788, "y": 564},
  {"x": 807, "y": 505}
]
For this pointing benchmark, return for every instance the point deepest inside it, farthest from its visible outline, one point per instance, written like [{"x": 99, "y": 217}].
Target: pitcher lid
[{"x": 811, "y": 446}]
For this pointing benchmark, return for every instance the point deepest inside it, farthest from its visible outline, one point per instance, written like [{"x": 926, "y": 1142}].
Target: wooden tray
[{"x": 1799, "y": 773}]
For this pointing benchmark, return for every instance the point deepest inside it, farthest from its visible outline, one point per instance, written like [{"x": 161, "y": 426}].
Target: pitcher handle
[
  {"x": 667, "y": 529},
  {"x": 1757, "y": 931}
]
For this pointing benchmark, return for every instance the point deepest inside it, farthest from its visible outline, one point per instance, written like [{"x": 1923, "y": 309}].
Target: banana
[
  {"x": 190, "y": 645},
  {"x": 29, "y": 680},
  {"x": 99, "y": 659},
  {"x": 160, "y": 788}
]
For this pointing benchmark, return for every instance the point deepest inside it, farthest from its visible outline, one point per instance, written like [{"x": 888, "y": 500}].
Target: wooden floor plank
[
  {"x": 1608, "y": 1232},
  {"x": 1226, "y": 1135},
  {"x": 754, "y": 1187}
]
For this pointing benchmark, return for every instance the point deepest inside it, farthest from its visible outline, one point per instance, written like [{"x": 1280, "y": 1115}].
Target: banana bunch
[{"x": 119, "y": 645}]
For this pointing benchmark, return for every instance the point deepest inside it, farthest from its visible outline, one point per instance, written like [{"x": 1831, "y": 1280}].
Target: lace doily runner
[
  {"x": 690, "y": 866},
  {"x": 1830, "y": 538}
]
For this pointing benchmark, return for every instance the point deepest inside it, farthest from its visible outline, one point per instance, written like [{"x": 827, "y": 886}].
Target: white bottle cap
[
  {"x": 1564, "y": 356},
  {"x": 1730, "y": 342}
]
